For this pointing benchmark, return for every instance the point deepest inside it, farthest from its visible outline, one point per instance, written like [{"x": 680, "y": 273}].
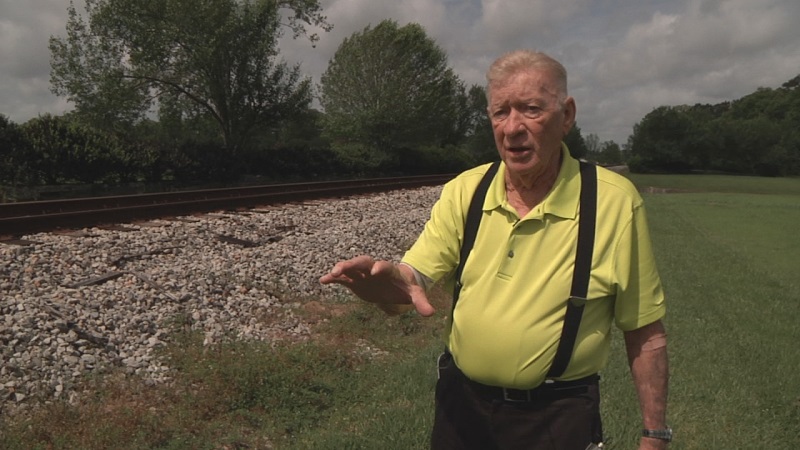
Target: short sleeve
[{"x": 640, "y": 296}]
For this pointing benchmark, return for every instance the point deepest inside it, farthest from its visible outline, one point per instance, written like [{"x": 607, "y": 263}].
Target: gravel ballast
[{"x": 99, "y": 299}]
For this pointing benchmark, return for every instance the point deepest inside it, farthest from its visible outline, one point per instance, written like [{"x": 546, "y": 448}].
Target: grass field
[
  {"x": 728, "y": 250},
  {"x": 730, "y": 260}
]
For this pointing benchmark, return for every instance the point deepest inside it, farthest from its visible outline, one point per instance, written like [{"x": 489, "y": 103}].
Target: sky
[{"x": 624, "y": 58}]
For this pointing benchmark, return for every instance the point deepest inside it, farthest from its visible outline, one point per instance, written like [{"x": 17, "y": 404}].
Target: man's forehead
[{"x": 531, "y": 85}]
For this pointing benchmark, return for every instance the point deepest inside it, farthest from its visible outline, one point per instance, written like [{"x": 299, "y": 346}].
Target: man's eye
[
  {"x": 500, "y": 114},
  {"x": 533, "y": 111}
]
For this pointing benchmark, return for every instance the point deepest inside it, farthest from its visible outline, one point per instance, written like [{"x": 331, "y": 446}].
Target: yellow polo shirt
[{"x": 508, "y": 319}]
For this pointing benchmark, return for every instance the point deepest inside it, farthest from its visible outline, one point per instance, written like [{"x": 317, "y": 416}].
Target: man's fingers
[
  {"x": 339, "y": 272},
  {"x": 329, "y": 278},
  {"x": 383, "y": 268}
]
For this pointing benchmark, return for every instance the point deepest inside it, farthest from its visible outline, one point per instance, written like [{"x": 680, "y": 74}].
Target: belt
[{"x": 549, "y": 390}]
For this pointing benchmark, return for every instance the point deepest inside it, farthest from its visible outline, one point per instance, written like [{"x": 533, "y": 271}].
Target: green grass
[
  {"x": 720, "y": 183},
  {"x": 730, "y": 264},
  {"x": 728, "y": 255}
]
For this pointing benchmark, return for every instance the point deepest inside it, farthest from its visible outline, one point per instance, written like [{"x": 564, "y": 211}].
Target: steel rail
[{"x": 31, "y": 217}]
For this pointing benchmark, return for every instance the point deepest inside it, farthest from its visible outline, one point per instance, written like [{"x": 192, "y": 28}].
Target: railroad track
[{"x": 21, "y": 218}]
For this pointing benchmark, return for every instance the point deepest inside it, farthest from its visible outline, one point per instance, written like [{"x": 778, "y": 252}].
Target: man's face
[{"x": 529, "y": 122}]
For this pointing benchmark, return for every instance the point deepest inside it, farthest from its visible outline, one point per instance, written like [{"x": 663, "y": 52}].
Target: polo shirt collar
[{"x": 561, "y": 201}]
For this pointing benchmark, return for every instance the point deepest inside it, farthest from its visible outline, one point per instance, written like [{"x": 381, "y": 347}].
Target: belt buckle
[{"x": 517, "y": 398}]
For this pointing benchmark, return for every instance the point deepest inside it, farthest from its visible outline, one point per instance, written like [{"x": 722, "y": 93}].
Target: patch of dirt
[{"x": 316, "y": 312}]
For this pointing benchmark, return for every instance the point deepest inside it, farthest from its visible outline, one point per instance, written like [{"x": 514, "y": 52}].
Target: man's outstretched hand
[{"x": 391, "y": 287}]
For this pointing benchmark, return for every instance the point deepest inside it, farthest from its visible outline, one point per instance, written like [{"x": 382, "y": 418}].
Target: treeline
[
  {"x": 168, "y": 92},
  {"x": 50, "y": 150},
  {"x": 758, "y": 134},
  {"x": 58, "y": 150}
]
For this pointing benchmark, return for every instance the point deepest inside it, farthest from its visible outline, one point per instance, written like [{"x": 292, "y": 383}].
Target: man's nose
[{"x": 514, "y": 123}]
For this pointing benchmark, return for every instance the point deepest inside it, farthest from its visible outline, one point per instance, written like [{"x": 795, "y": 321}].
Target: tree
[
  {"x": 592, "y": 143},
  {"x": 661, "y": 141},
  {"x": 792, "y": 84},
  {"x": 480, "y": 137},
  {"x": 575, "y": 142},
  {"x": 14, "y": 155},
  {"x": 388, "y": 88},
  {"x": 63, "y": 150},
  {"x": 609, "y": 153},
  {"x": 214, "y": 58}
]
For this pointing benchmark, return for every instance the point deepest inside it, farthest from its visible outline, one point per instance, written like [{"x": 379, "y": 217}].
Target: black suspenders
[
  {"x": 583, "y": 257},
  {"x": 472, "y": 224},
  {"x": 580, "y": 274}
]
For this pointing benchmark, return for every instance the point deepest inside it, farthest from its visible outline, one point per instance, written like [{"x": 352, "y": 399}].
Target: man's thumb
[{"x": 422, "y": 305}]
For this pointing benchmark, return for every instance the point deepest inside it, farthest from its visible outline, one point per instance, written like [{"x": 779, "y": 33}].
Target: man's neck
[{"x": 531, "y": 189}]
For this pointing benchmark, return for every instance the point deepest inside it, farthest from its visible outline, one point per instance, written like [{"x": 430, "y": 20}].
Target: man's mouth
[{"x": 518, "y": 149}]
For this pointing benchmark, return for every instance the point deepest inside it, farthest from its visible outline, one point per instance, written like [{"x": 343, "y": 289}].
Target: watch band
[{"x": 664, "y": 435}]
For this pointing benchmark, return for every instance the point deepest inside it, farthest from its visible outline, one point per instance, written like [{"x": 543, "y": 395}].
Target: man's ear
[{"x": 570, "y": 111}]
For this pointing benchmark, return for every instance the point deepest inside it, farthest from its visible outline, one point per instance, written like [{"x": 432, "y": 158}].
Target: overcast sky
[{"x": 624, "y": 57}]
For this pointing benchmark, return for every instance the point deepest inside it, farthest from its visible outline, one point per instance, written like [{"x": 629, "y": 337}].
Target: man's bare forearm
[{"x": 649, "y": 364}]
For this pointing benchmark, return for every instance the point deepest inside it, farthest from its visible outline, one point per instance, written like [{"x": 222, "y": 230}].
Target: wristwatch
[{"x": 664, "y": 435}]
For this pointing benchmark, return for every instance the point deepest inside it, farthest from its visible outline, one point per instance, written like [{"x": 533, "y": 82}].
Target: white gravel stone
[{"x": 53, "y": 332}]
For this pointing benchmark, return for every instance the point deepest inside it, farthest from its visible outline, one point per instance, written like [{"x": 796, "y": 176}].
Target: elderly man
[{"x": 545, "y": 253}]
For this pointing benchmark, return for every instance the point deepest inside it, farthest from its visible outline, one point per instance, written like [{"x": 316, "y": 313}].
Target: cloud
[
  {"x": 704, "y": 44},
  {"x": 25, "y": 28},
  {"x": 526, "y": 23},
  {"x": 704, "y": 52}
]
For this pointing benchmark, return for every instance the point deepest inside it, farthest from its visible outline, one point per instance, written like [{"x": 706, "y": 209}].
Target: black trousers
[{"x": 466, "y": 418}]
